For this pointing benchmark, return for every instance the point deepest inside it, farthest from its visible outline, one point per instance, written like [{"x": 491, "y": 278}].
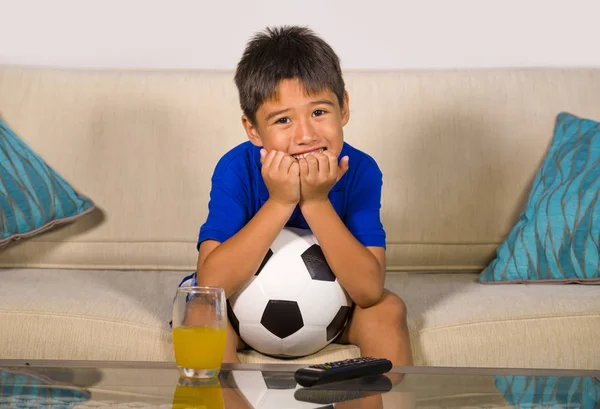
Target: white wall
[{"x": 367, "y": 34}]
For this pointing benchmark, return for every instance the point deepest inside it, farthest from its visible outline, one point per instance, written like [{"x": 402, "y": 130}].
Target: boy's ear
[
  {"x": 251, "y": 131},
  {"x": 346, "y": 109}
]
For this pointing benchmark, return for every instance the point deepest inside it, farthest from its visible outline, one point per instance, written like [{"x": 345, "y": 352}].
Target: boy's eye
[
  {"x": 319, "y": 112},
  {"x": 283, "y": 120}
]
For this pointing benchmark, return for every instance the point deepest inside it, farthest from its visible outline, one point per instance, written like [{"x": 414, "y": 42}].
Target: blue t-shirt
[{"x": 238, "y": 192}]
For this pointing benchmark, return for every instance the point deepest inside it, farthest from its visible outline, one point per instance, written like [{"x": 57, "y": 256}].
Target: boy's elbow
[
  {"x": 371, "y": 293},
  {"x": 369, "y": 297}
]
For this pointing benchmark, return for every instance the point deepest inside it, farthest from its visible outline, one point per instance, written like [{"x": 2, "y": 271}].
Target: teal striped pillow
[
  {"x": 557, "y": 238},
  {"x": 20, "y": 389},
  {"x": 33, "y": 197},
  {"x": 550, "y": 391}
]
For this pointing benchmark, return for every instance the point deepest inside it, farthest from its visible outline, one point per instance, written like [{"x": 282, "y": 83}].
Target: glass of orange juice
[
  {"x": 199, "y": 330},
  {"x": 198, "y": 394}
]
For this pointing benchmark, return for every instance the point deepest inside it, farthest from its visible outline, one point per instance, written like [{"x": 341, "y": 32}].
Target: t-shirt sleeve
[
  {"x": 364, "y": 205},
  {"x": 228, "y": 203}
]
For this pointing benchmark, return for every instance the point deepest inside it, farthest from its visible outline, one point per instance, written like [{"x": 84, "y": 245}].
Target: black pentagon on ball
[
  {"x": 316, "y": 264},
  {"x": 279, "y": 380},
  {"x": 267, "y": 257},
  {"x": 338, "y": 322},
  {"x": 282, "y": 318},
  {"x": 235, "y": 323}
]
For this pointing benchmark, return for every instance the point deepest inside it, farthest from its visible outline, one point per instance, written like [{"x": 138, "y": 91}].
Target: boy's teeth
[{"x": 304, "y": 155}]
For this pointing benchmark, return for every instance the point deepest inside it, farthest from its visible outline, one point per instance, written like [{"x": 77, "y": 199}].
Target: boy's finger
[
  {"x": 332, "y": 163},
  {"x": 303, "y": 164},
  {"x": 277, "y": 160},
  {"x": 286, "y": 162},
  {"x": 263, "y": 155},
  {"x": 313, "y": 165},
  {"x": 295, "y": 169},
  {"x": 343, "y": 168},
  {"x": 323, "y": 163},
  {"x": 269, "y": 159}
]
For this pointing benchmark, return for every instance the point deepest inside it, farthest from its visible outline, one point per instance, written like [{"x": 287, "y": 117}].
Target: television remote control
[
  {"x": 341, "y": 391},
  {"x": 341, "y": 370}
]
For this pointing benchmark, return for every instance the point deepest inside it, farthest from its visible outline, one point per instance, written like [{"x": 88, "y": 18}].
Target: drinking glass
[
  {"x": 199, "y": 330},
  {"x": 198, "y": 394}
]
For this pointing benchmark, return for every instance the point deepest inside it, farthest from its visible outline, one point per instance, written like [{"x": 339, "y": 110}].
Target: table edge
[{"x": 283, "y": 367}]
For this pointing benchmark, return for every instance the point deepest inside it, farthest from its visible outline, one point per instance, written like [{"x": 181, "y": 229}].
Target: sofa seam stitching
[
  {"x": 586, "y": 315},
  {"x": 81, "y": 317}
]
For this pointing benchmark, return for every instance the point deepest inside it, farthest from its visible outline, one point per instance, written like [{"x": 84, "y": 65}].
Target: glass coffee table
[{"x": 91, "y": 384}]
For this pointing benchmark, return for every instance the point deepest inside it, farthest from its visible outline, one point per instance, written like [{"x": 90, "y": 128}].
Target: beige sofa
[{"x": 458, "y": 150}]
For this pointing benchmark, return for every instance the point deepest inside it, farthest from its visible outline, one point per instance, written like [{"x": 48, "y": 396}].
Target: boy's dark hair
[{"x": 287, "y": 52}]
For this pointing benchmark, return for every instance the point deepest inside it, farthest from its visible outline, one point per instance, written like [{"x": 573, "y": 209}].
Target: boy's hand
[
  {"x": 318, "y": 174},
  {"x": 281, "y": 173}
]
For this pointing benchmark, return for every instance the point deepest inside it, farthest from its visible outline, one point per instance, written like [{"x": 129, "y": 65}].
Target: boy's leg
[
  {"x": 381, "y": 330},
  {"x": 368, "y": 402},
  {"x": 233, "y": 344}
]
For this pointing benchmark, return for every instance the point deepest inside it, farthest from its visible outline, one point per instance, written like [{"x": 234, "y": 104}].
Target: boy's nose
[{"x": 305, "y": 133}]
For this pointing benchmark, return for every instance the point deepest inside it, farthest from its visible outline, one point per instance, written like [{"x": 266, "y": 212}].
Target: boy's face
[{"x": 299, "y": 124}]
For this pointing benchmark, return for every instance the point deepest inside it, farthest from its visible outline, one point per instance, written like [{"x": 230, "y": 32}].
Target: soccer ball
[
  {"x": 293, "y": 306},
  {"x": 269, "y": 390}
]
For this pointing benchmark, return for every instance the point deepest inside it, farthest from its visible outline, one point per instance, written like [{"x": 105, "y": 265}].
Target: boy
[{"x": 290, "y": 173}]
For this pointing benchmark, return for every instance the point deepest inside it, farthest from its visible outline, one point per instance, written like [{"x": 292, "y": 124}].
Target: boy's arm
[
  {"x": 231, "y": 264},
  {"x": 359, "y": 269}
]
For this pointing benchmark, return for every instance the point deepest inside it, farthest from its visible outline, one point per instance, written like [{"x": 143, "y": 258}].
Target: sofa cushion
[
  {"x": 456, "y": 321},
  {"x": 558, "y": 235},
  {"x": 33, "y": 197},
  {"x": 458, "y": 150},
  {"x": 453, "y": 320}
]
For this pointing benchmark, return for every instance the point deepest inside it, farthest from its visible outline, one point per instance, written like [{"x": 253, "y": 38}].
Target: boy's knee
[{"x": 394, "y": 308}]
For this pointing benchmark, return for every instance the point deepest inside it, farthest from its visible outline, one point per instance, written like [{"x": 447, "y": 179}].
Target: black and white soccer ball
[
  {"x": 270, "y": 390},
  {"x": 294, "y": 305}
]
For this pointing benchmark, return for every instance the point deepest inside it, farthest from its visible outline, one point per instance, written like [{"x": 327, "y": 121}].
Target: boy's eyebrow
[
  {"x": 281, "y": 111},
  {"x": 322, "y": 101},
  {"x": 275, "y": 113}
]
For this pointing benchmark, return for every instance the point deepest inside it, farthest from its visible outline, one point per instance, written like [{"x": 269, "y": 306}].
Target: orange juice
[
  {"x": 198, "y": 397},
  {"x": 199, "y": 347}
]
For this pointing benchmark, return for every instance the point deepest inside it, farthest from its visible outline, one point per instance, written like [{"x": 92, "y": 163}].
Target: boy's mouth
[{"x": 304, "y": 155}]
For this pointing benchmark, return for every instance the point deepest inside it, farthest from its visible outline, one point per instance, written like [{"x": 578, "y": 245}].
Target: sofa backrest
[{"x": 458, "y": 150}]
